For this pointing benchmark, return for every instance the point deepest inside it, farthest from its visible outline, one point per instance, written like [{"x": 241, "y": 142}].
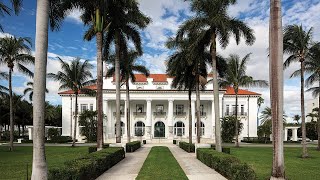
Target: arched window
[
  {"x": 179, "y": 128},
  {"x": 139, "y": 128},
  {"x": 201, "y": 128},
  {"x": 122, "y": 128}
]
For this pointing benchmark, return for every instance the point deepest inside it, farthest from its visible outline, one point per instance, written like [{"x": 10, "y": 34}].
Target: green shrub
[
  {"x": 227, "y": 165},
  {"x": 224, "y": 149},
  {"x": 92, "y": 149},
  {"x": 187, "y": 147},
  {"x": 174, "y": 141},
  {"x": 88, "y": 167},
  {"x": 27, "y": 141},
  {"x": 228, "y": 125},
  {"x": 60, "y": 139},
  {"x": 53, "y": 133},
  {"x": 133, "y": 146}
]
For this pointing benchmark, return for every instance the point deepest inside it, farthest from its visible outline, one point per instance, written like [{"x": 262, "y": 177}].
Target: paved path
[
  {"x": 129, "y": 167},
  {"x": 194, "y": 169}
]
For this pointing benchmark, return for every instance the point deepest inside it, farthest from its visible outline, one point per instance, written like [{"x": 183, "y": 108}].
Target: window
[
  {"x": 202, "y": 110},
  {"x": 122, "y": 128},
  {"x": 227, "y": 110},
  {"x": 84, "y": 107},
  {"x": 91, "y": 107},
  {"x": 179, "y": 128},
  {"x": 139, "y": 128},
  {"x": 139, "y": 108},
  {"x": 242, "y": 109},
  {"x": 233, "y": 109},
  {"x": 159, "y": 108},
  {"x": 121, "y": 109},
  {"x": 179, "y": 109},
  {"x": 201, "y": 128}
]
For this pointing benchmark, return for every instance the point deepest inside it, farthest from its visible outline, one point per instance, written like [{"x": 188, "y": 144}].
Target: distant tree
[
  {"x": 265, "y": 130},
  {"x": 266, "y": 116},
  {"x": 88, "y": 119},
  {"x": 29, "y": 90},
  {"x": 3, "y": 90},
  {"x": 228, "y": 126},
  {"x": 296, "y": 118},
  {"x": 311, "y": 128},
  {"x": 5, "y": 9}
]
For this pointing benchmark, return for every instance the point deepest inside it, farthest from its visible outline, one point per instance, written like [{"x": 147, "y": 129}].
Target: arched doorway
[
  {"x": 122, "y": 128},
  {"x": 202, "y": 128},
  {"x": 139, "y": 128},
  {"x": 159, "y": 129},
  {"x": 179, "y": 128}
]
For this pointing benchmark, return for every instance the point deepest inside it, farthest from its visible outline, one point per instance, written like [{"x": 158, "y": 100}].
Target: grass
[
  {"x": 296, "y": 168},
  {"x": 160, "y": 164},
  {"x": 13, "y": 165}
]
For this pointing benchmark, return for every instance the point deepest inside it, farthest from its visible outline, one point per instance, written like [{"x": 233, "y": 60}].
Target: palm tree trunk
[
  {"x": 128, "y": 110},
  {"x": 39, "y": 165},
  {"x": 303, "y": 116},
  {"x": 75, "y": 122},
  {"x": 99, "y": 92},
  {"x": 237, "y": 123},
  {"x": 318, "y": 123},
  {"x": 190, "y": 118},
  {"x": 11, "y": 110},
  {"x": 276, "y": 87},
  {"x": 117, "y": 74},
  {"x": 213, "y": 52},
  {"x": 198, "y": 108}
]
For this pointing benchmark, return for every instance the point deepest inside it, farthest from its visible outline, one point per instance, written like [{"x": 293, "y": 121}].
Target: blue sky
[{"x": 166, "y": 16}]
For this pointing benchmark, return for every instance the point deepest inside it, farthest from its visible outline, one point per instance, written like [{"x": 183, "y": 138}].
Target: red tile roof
[
  {"x": 163, "y": 78},
  {"x": 230, "y": 91}
]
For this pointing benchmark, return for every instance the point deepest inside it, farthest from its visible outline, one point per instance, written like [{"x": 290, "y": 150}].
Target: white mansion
[{"x": 160, "y": 111}]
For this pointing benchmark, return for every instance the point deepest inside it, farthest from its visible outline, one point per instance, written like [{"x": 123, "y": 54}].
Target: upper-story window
[
  {"x": 179, "y": 109},
  {"x": 83, "y": 107},
  {"x": 202, "y": 110},
  {"x": 121, "y": 109},
  {"x": 91, "y": 107},
  {"x": 159, "y": 108},
  {"x": 227, "y": 110},
  {"x": 140, "y": 108},
  {"x": 233, "y": 109}
]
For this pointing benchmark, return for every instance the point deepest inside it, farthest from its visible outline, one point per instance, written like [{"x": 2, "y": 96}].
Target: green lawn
[
  {"x": 260, "y": 158},
  {"x": 13, "y": 165},
  {"x": 160, "y": 164}
]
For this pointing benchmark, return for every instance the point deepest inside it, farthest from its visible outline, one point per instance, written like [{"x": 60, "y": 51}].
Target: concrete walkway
[
  {"x": 194, "y": 169},
  {"x": 129, "y": 167}
]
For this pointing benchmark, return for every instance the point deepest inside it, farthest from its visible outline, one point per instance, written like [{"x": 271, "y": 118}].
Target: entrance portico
[{"x": 294, "y": 132}]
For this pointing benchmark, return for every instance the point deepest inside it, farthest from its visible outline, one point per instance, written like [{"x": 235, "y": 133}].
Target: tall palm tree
[
  {"x": 260, "y": 101},
  {"x": 236, "y": 77},
  {"x": 49, "y": 14},
  {"x": 3, "y": 89},
  {"x": 4, "y": 9},
  {"x": 125, "y": 20},
  {"x": 214, "y": 23},
  {"x": 312, "y": 67},
  {"x": 276, "y": 84},
  {"x": 15, "y": 52},
  {"x": 95, "y": 15},
  {"x": 127, "y": 69},
  {"x": 29, "y": 90},
  {"x": 297, "y": 43},
  {"x": 75, "y": 76},
  {"x": 266, "y": 116}
]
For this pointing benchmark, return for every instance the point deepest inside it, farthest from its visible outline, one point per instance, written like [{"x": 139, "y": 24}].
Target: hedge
[
  {"x": 92, "y": 149},
  {"x": 133, "y": 146},
  {"x": 60, "y": 139},
  {"x": 224, "y": 149},
  {"x": 88, "y": 167},
  {"x": 185, "y": 146},
  {"x": 227, "y": 165}
]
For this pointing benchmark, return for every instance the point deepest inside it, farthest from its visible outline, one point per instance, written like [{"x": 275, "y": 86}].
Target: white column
[
  {"x": 285, "y": 134},
  {"x": 193, "y": 112},
  {"x": 107, "y": 122},
  {"x": 170, "y": 117},
  {"x": 295, "y": 134},
  {"x": 124, "y": 136},
  {"x": 213, "y": 119},
  {"x": 149, "y": 120}
]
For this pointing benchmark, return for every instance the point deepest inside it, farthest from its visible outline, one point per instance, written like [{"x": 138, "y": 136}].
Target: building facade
[{"x": 158, "y": 111}]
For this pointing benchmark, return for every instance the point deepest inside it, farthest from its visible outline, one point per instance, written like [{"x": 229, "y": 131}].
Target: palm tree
[
  {"x": 75, "y": 76},
  {"x": 95, "y": 15},
  {"x": 4, "y": 9},
  {"x": 125, "y": 20},
  {"x": 47, "y": 11},
  {"x": 29, "y": 90},
  {"x": 276, "y": 84},
  {"x": 236, "y": 77},
  {"x": 296, "y": 118},
  {"x": 266, "y": 116},
  {"x": 214, "y": 23},
  {"x": 127, "y": 68},
  {"x": 3, "y": 89},
  {"x": 297, "y": 43},
  {"x": 15, "y": 52}
]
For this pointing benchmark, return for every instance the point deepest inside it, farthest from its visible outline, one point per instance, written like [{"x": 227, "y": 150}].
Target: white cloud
[{"x": 74, "y": 16}]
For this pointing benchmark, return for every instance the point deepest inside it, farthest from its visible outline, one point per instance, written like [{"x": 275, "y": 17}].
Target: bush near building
[
  {"x": 187, "y": 147},
  {"x": 227, "y": 165},
  {"x": 133, "y": 146},
  {"x": 88, "y": 167},
  {"x": 228, "y": 125}
]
